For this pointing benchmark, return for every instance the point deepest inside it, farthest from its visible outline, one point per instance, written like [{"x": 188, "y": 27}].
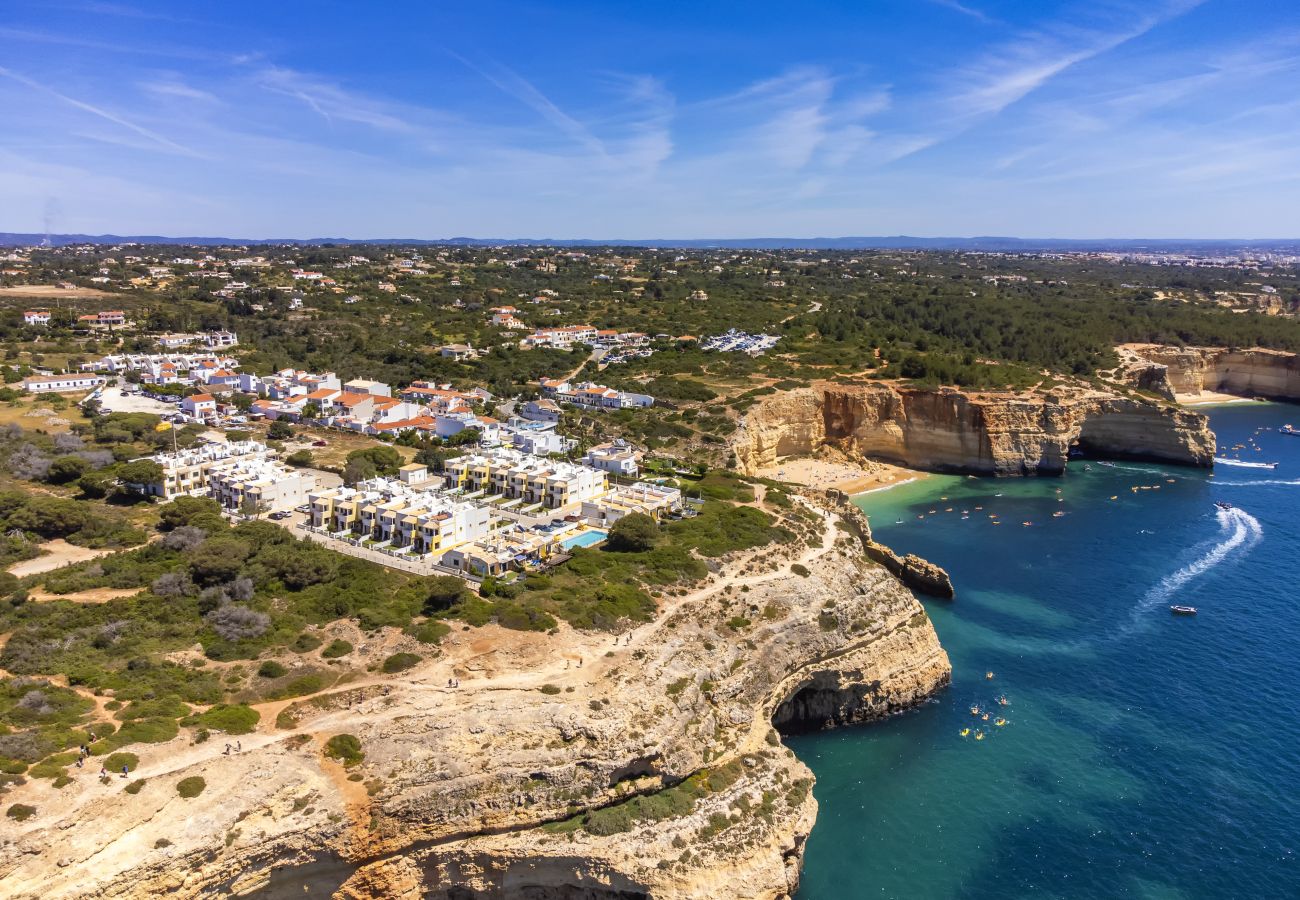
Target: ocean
[{"x": 1144, "y": 754}]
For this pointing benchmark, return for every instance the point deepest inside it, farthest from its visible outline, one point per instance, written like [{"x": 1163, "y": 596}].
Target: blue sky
[{"x": 1061, "y": 118}]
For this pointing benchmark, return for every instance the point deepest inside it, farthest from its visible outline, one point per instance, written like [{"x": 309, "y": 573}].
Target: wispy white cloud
[
  {"x": 515, "y": 85},
  {"x": 158, "y": 140},
  {"x": 331, "y": 102},
  {"x": 962, "y": 8},
  {"x": 1013, "y": 70}
]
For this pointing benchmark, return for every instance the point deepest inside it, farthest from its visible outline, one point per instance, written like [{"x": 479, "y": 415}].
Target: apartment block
[{"x": 531, "y": 479}]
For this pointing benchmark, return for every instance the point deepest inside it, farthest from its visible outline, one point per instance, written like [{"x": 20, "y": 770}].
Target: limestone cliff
[
  {"x": 1189, "y": 371},
  {"x": 666, "y": 741},
  {"x": 954, "y": 431}
]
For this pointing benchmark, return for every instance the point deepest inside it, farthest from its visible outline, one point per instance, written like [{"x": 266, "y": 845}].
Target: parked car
[
  {"x": 282, "y": 514},
  {"x": 302, "y": 509},
  {"x": 320, "y": 443}
]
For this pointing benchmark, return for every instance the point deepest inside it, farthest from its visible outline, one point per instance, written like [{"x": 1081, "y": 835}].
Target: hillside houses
[
  {"x": 591, "y": 396},
  {"x": 561, "y": 338}
]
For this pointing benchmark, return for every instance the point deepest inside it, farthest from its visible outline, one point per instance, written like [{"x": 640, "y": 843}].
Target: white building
[
  {"x": 262, "y": 485},
  {"x": 37, "y": 317},
  {"x": 60, "y": 384},
  {"x": 188, "y": 472},
  {"x": 616, "y": 457}
]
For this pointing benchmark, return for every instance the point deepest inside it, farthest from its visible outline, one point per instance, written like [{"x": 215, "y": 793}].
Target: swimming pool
[{"x": 586, "y": 539}]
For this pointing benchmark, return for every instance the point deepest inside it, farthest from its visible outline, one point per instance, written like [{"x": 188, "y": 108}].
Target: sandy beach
[
  {"x": 1208, "y": 398},
  {"x": 847, "y": 477}
]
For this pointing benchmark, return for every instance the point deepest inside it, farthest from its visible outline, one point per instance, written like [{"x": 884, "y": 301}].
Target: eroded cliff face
[
  {"x": 1189, "y": 371},
  {"x": 950, "y": 430},
  {"x": 458, "y": 784}
]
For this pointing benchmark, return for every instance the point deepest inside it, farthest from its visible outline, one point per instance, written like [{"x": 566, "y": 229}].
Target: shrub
[
  {"x": 305, "y": 643},
  {"x": 346, "y": 748},
  {"x": 430, "y": 632},
  {"x": 800, "y": 570},
  {"x": 20, "y": 812},
  {"x": 186, "y": 537},
  {"x": 336, "y": 649},
  {"x": 191, "y": 787},
  {"x": 400, "y": 662},
  {"x": 232, "y": 719},
  {"x": 237, "y": 623},
  {"x": 550, "y": 689},
  {"x": 299, "y": 687},
  {"x": 116, "y": 761},
  {"x": 299, "y": 458},
  {"x": 136, "y": 786},
  {"x": 271, "y": 669}
]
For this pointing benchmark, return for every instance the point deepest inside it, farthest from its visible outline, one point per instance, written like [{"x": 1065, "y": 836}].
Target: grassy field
[{"x": 19, "y": 412}]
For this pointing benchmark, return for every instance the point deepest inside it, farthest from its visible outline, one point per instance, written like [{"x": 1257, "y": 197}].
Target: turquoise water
[
  {"x": 1145, "y": 755},
  {"x": 586, "y": 539}
]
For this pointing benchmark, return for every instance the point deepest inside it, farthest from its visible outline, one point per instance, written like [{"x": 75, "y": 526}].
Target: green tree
[
  {"x": 280, "y": 430},
  {"x": 634, "y": 533},
  {"x": 185, "y": 510},
  {"x": 67, "y": 468},
  {"x": 217, "y": 560},
  {"x": 445, "y": 591},
  {"x": 140, "y": 472}
]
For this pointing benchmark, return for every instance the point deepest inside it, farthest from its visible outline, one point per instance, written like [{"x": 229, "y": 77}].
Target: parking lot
[{"x": 113, "y": 399}]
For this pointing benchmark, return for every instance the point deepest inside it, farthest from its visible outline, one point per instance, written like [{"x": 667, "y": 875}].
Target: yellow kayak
[
  {"x": 965, "y": 731},
  {"x": 979, "y": 735}
]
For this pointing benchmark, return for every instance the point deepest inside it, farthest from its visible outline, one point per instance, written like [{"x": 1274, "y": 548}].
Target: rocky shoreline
[{"x": 656, "y": 770}]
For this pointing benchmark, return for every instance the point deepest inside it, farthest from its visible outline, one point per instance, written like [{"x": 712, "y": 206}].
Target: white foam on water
[
  {"x": 1245, "y": 531},
  {"x": 1274, "y": 481},
  {"x": 1145, "y": 469},
  {"x": 1241, "y": 463}
]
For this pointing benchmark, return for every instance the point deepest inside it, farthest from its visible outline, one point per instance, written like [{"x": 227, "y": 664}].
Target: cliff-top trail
[{"x": 565, "y": 765}]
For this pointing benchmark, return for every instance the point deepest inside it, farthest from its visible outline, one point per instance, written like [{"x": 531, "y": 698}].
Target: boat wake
[
  {"x": 1245, "y": 532},
  {"x": 1242, "y": 464},
  {"x": 1145, "y": 469},
  {"x": 1262, "y": 481}
]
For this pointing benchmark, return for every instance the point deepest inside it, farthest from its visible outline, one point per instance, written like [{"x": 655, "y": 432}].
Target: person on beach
[{"x": 124, "y": 771}]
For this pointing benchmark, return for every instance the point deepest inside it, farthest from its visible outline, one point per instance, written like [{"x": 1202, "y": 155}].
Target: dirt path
[
  {"x": 58, "y": 553},
  {"x": 94, "y": 595}
]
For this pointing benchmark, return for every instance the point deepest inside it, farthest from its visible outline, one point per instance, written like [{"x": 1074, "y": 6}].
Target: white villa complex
[
  {"x": 229, "y": 473},
  {"x": 492, "y": 512},
  {"x": 397, "y": 516},
  {"x": 529, "y": 479},
  {"x": 260, "y": 485}
]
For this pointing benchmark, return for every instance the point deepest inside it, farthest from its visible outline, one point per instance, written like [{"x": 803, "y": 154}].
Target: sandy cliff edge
[
  {"x": 471, "y": 793},
  {"x": 948, "y": 430}
]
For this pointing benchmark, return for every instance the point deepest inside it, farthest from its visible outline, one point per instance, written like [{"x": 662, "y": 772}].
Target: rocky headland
[
  {"x": 1189, "y": 372},
  {"x": 949, "y": 430},
  {"x": 569, "y": 765}
]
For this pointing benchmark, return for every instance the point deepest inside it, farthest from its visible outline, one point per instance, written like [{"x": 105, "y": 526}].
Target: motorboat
[
  {"x": 1287, "y": 429},
  {"x": 1183, "y": 610},
  {"x": 1223, "y": 505}
]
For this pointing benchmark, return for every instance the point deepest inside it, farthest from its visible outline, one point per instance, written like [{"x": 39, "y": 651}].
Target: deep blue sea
[{"x": 1144, "y": 754}]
